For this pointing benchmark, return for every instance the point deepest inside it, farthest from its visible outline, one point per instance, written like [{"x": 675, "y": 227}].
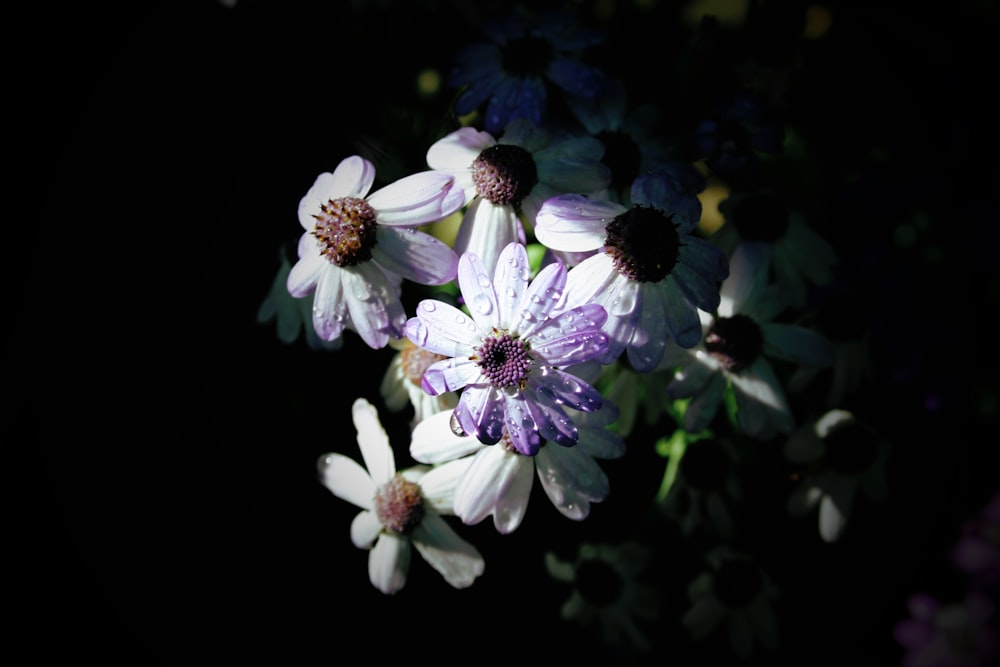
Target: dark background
[{"x": 159, "y": 446}]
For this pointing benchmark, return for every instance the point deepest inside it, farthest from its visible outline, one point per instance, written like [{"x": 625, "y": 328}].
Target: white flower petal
[
  {"x": 455, "y": 559},
  {"x": 490, "y": 476},
  {"x": 476, "y": 282},
  {"x": 415, "y": 255},
  {"x": 365, "y": 529},
  {"x": 433, "y": 441},
  {"x": 347, "y": 480},
  {"x": 459, "y": 149},
  {"x": 413, "y": 200},
  {"x": 574, "y": 222},
  {"x": 486, "y": 229},
  {"x": 439, "y": 484},
  {"x": 510, "y": 281},
  {"x": 571, "y": 480},
  {"x": 389, "y": 563},
  {"x": 374, "y": 442}
]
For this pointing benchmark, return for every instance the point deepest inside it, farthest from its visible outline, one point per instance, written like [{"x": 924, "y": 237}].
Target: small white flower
[
  {"x": 843, "y": 458},
  {"x": 399, "y": 510},
  {"x": 357, "y": 248}
]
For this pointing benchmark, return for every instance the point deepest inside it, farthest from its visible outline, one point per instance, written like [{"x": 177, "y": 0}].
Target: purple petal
[
  {"x": 541, "y": 298},
  {"x": 449, "y": 375},
  {"x": 567, "y": 389},
  {"x": 416, "y": 199},
  {"x": 480, "y": 412},
  {"x": 573, "y": 336}
]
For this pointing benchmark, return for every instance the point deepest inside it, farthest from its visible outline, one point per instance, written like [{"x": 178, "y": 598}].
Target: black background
[{"x": 159, "y": 445}]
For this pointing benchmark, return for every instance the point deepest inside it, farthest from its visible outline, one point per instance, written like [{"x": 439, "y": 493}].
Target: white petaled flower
[
  {"x": 506, "y": 180},
  {"x": 400, "y": 510},
  {"x": 842, "y": 458},
  {"x": 735, "y": 596},
  {"x": 796, "y": 254},
  {"x": 499, "y": 478},
  {"x": 508, "y": 355},
  {"x": 735, "y": 352},
  {"x": 649, "y": 271},
  {"x": 609, "y": 591},
  {"x": 401, "y": 383},
  {"x": 358, "y": 247}
]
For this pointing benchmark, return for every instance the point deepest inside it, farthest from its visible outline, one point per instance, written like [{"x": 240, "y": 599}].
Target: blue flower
[
  {"x": 508, "y": 357},
  {"x": 526, "y": 55}
]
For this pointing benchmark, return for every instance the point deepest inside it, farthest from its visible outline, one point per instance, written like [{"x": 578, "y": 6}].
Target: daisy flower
[
  {"x": 733, "y": 595},
  {"x": 648, "y": 270},
  {"x": 609, "y": 591},
  {"x": 499, "y": 479},
  {"x": 735, "y": 354},
  {"x": 358, "y": 247},
  {"x": 527, "y": 55},
  {"x": 291, "y": 316},
  {"x": 796, "y": 255},
  {"x": 508, "y": 355},
  {"x": 843, "y": 458},
  {"x": 399, "y": 509},
  {"x": 401, "y": 383},
  {"x": 506, "y": 180},
  {"x": 958, "y": 634}
]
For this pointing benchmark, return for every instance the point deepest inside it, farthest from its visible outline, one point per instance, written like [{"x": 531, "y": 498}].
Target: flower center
[
  {"x": 760, "y": 217},
  {"x": 504, "y": 174},
  {"x": 850, "y": 447},
  {"x": 399, "y": 505},
  {"x": 504, "y": 360},
  {"x": 643, "y": 243},
  {"x": 735, "y": 342},
  {"x": 345, "y": 230},
  {"x": 705, "y": 465},
  {"x": 737, "y": 582},
  {"x": 598, "y": 582},
  {"x": 415, "y": 361},
  {"x": 621, "y": 155}
]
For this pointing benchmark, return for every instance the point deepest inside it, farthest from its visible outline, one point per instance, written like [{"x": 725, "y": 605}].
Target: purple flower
[{"x": 508, "y": 353}]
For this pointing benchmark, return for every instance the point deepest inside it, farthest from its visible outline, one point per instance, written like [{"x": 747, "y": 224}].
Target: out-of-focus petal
[
  {"x": 374, "y": 442},
  {"x": 347, "y": 480},
  {"x": 455, "y": 559},
  {"x": 389, "y": 563}
]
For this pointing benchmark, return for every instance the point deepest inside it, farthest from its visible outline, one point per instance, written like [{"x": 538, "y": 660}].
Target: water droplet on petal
[
  {"x": 482, "y": 304},
  {"x": 456, "y": 428},
  {"x": 428, "y": 306}
]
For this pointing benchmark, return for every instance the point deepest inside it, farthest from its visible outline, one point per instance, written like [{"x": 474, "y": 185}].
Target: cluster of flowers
[{"x": 553, "y": 285}]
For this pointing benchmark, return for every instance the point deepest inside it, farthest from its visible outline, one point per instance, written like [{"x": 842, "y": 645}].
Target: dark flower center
[
  {"x": 705, "y": 465},
  {"x": 735, "y": 342},
  {"x": 644, "y": 244},
  {"x": 504, "y": 174},
  {"x": 622, "y": 156},
  {"x": 345, "y": 229},
  {"x": 415, "y": 361},
  {"x": 760, "y": 217},
  {"x": 851, "y": 447},
  {"x": 598, "y": 582},
  {"x": 527, "y": 56},
  {"x": 504, "y": 360},
  {"x": 399, "y": 505},
  {"x": 737, "y": 582}
]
